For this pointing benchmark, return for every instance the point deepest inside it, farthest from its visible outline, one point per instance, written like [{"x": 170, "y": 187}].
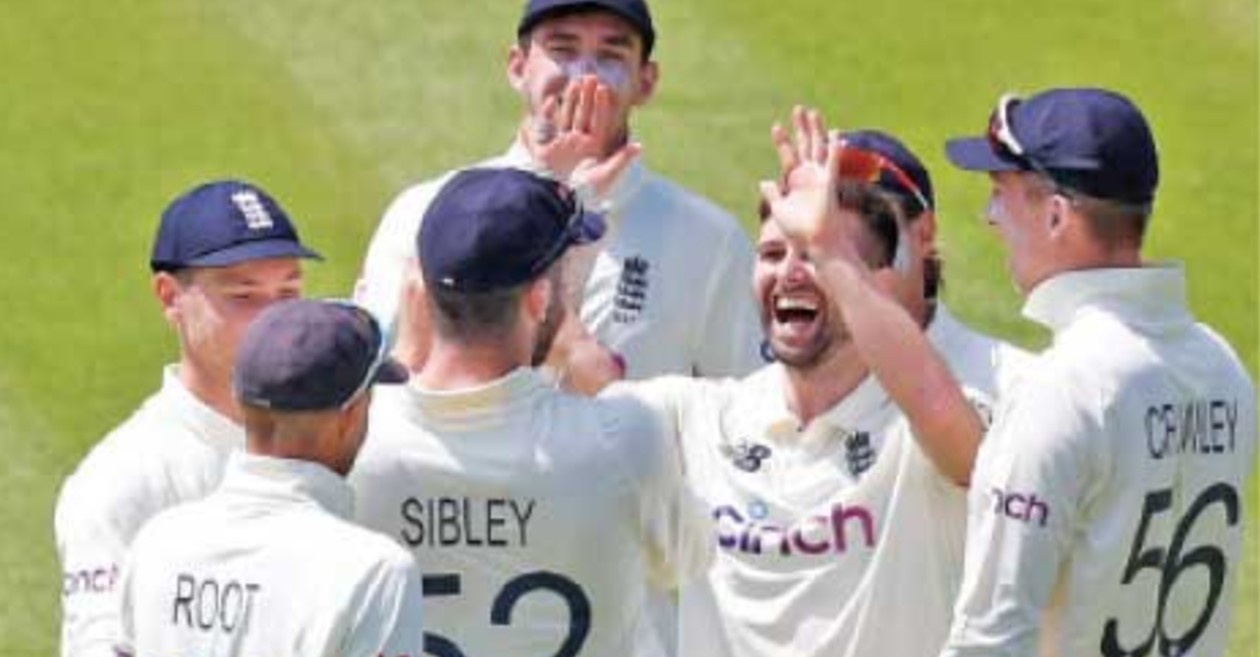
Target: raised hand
[
  {"x": 803, "y": 201},
  {"x": 571, "y": 134}
]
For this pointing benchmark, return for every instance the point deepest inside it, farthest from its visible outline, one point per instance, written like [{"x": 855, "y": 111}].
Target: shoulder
[
  {"x": 122, "y": 479},
  {"x": 684, "y": 209},
  {"x": 408, "y": 206}
]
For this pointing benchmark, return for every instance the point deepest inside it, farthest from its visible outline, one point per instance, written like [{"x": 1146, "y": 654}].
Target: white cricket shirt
[
  {"x": 670, "y": 292},
  {"x": 840, "y": 539},
  {"x": 269, "y": 564},
  {"x": 172, "y": 450},
  {"x": 1111, "y": 491},
  {"x": 538, "y": 517}
]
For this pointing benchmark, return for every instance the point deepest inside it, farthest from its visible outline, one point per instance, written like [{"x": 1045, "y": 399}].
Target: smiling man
[
  {"x": 666, "y": 292},
  {"x": 836, "y": 518},
  {"x": 224, "y": 251}
]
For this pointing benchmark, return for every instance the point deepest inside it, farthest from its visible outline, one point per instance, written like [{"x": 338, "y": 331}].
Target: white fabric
[
  {"x": 1137, "y": 427},
  {"x": 172, "y": 450},
  {"x": 268, "y": 564},
  {"x": 514, "y": 488},
  {"x": 873, "y": 549},
  {"x": 670, "y": 293}
]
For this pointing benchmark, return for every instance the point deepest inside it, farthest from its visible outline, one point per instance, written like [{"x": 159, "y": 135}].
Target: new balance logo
[
  {"x": 631, "y": 290},
  {"x": 746, "y": 456},
  {"x": 256, "y": 216}
]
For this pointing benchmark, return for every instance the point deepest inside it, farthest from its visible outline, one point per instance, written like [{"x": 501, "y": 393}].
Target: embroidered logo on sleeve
[{"x": 632, "y": 290}]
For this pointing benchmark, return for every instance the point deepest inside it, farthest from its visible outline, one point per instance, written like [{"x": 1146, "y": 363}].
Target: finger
[
  {"x": 564, "y": 121},
  {"x": 786, "y": 151},
  {"x": 601, "y": 175},
  {"x": 801, "y": 128},
  {"x": 835, "y": 148},
  {"x": 544, "y": 124},
  {"x": 585, "y": 104},
  {"x": 602, "y": 119},
  {"x": 771, "y": 193},
  {"x": 818, "y": 136}
]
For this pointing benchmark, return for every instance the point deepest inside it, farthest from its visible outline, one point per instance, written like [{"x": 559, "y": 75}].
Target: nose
[
  {"x": 794, "y": 269},
  {"x": 994, "y": 213}
]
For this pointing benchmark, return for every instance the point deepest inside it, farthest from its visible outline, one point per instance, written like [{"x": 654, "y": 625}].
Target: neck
[
  {"x": 456, "y": 366},
  {"x": 212, "y": 390},
  {"x": 810, "y": 392}
]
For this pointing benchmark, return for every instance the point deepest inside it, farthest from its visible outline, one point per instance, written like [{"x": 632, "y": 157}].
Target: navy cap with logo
[
  {"x": 1091, "y": 141},
  {"x": 494, "y": 229},
  {"x": 903, "y": 158},
  {"x": 312, "y": 355},
  {"x": 634, "y": 12},
  {"x": 223, "y": 223}
]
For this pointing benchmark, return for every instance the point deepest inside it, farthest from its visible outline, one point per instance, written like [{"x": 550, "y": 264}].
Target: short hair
[
  {"x": 474, "y": 317},
  {"x": 526, "y": 38},
  {"x": 480, "y": 317},
  {"x": 1113, "y": 223}
]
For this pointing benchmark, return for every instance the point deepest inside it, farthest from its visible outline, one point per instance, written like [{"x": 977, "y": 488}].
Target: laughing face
[
  {"x": 795, "y": 313},
  {"x": 802, "y": 327}
]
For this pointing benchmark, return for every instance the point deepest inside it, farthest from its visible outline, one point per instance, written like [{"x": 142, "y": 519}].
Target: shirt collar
[
  {"x": 220, "y": 431},
  {"x": 481, "y": 406},
  {"x": 1152, "y": 295},
  {"x": 288, "y": 481},
  {"x": 849, "y": 413},
  {"x": 623, "y": 189}
]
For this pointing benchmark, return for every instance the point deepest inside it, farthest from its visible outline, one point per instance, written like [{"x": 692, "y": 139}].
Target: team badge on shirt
[
  {"x": 632, "y": 290},
  {"x": 859, "y": 453}
]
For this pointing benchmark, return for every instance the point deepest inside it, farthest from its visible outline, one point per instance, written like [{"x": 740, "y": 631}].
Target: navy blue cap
[
  {"x": 493, "y": 229},
  {"x": 223, "y": 223},
  {"x": 896, "y": 152},
  {"x": 1092, "y": 141},
  {"x": 634, "y": 12},
  {"x": 310, "y": 355}
]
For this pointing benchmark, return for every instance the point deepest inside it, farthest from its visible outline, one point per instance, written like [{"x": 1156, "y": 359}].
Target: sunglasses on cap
[
  {"x": 869, "y": 167},
  {"x": 1003, "y": 141}
]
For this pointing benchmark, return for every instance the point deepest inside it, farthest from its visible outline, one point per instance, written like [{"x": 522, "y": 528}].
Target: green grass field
[{"x": 110, "y": 109}]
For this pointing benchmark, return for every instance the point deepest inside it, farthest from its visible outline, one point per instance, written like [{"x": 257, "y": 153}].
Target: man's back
[
  {"x": 1125, "y": 458},
  {"x": 539, "y": 517},
  {"x": 264, "y": 566},
  {"x": 668, "y": 292}
]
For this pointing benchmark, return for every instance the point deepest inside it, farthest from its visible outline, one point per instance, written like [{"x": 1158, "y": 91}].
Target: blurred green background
[{"x": 112, "y": 109}]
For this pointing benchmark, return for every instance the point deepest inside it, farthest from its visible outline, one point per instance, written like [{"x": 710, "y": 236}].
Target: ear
[
  {"x": 517, "y": 58},
  {"x": 1060, "y": 211},
  {"x": 537, "y": 299},
  {"x": 923, "y": 231},
  {"x": 167, "y": 289},
  {"x": 649, "y": 74}
]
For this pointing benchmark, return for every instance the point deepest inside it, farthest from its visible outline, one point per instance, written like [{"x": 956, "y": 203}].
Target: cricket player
[
  {"x": 223, "y": 252},
  {"x": 1105, "y": 513},
  {"x": 269, "y": 563},
  {"x": 541, "y": 518},
  {"x": 666, "y": 293},
  {"x": 837, "y": 519}
]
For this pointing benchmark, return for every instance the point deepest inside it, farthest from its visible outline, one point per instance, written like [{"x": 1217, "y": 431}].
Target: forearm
[{"x": 898, "y": 353}]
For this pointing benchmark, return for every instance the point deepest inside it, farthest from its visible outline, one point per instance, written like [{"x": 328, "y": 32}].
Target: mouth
[
  {"x": 794, "y": 310},
  {"x": 795, "y": 318}
]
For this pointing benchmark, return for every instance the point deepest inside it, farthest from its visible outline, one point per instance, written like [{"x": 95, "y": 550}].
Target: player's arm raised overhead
[{"x": 805, "y": 206}]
